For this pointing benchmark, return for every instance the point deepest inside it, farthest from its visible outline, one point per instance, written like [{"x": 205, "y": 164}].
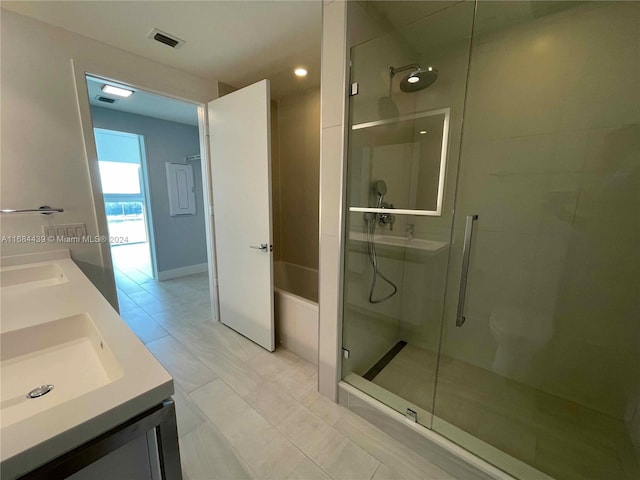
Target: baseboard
[{"x": 182, "y": 271}]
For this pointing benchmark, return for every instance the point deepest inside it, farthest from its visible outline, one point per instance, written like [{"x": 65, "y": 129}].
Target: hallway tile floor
[{"x": 245, "y": 413}]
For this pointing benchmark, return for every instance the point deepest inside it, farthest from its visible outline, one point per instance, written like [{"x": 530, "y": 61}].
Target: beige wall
[
  {"x": 551, "y": 163},
  {"x": 296, "y": 220},
  {"x": 43, "y": 155}
]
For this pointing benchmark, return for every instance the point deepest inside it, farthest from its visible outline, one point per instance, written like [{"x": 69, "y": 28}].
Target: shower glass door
[
  {"x": 512, "y": 327},
  {"x": 545, "y": 367},
  {"x": 402, "y": 166}
]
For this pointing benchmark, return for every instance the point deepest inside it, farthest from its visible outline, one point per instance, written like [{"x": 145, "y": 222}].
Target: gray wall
[{"x": 180, "y": 241}]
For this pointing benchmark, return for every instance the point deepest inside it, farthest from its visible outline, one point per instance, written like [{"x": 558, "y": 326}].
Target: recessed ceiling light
[
  {"x": 120, "y": 92},
  {"x": 423, "y": 132},
  {"x": 300, "y": 72}
]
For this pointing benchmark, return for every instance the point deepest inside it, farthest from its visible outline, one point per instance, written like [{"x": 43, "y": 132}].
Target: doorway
[
  {"x": 124, "y": 179},
  {"x": 154, "y": 188}
]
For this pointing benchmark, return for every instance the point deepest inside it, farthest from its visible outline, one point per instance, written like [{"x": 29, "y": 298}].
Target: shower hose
[{"x": 371, "y": 249}]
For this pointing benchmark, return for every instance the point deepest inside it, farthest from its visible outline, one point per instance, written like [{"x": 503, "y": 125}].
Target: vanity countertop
[
  {"x": 55, "y": 323},
  {"x": 418, "y": 244}
]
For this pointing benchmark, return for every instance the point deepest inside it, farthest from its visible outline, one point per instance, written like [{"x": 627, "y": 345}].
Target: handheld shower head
[{"x": 380, "y": 187}]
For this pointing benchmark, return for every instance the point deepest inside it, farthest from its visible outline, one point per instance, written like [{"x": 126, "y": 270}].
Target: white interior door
[{"x": 239, "y": 136}]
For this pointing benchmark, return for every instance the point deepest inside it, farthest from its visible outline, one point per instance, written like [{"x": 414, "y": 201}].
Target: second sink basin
[
  {"x": 68, "y": 353},
  {"x": 31, "y": 276}
]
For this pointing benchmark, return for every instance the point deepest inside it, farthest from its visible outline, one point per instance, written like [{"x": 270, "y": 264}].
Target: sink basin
[
  {"x": 31, "y": 276},
  {"x": 68, "y": 353}
]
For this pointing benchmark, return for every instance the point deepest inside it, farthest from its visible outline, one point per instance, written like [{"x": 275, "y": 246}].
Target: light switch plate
[{"x": 71, "y": 230}]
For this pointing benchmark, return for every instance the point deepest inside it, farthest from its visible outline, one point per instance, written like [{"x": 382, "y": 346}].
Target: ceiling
[
  {"x": 143, "y": 103},
  {"x": 237, "y": 42}
]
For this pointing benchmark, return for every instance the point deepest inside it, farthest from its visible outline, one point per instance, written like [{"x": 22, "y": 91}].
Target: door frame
[
  {"x": 146, "y": 194},
  {"x": 81, "y": 69}
]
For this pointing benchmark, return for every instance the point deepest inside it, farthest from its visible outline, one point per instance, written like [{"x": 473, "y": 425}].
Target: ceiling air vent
[
  {"x": 166, "y": 38},
  {"x": 100, "y": 98}
]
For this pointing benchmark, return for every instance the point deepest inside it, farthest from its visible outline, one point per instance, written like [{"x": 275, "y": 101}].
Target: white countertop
[
  {"x": 31, "y": 441},
  {"x": 414, "y": 243}
]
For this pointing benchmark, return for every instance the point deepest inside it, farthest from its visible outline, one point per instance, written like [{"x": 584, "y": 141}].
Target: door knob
[{"x": 263, "y": 247}]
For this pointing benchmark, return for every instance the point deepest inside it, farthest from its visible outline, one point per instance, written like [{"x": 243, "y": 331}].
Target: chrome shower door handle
[
  {"x": 466, "y": 254},
  {"x": 263, "y": 247}
]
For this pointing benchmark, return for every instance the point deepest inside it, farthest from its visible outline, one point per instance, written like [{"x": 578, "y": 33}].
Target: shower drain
[{"x": 39, "y": 391}]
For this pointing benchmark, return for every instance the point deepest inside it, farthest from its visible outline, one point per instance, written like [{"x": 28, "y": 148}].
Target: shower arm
[{"x": 404, "y": 68}]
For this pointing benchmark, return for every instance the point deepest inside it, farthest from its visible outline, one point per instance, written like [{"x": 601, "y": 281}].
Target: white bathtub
[{"x": 296, "y": 309}]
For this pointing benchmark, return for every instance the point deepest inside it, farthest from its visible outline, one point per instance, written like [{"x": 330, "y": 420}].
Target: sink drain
[{"x": 39, "y": 391}]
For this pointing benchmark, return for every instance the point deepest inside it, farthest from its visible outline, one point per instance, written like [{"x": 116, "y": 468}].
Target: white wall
[
  {"x": 43, "y": 156},
  {"x": 332, "y": 125}
]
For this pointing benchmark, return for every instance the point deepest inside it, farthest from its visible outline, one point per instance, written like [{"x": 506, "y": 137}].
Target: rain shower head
[{"x": 417, "y": 79}]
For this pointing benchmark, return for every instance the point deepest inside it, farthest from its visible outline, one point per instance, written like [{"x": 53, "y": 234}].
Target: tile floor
[
  {"x": 245, "y": 413},
  {"x": 559, "y": 437}
]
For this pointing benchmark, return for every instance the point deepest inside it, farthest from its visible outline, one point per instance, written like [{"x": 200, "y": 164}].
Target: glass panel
[
  {"x": 120, "y": 178},
  {"x": 409, "y": 153},
  {"x": 396, "y": 262},
  {"x": 126, "y": 221},
  {"x": 546, "y": 368}
]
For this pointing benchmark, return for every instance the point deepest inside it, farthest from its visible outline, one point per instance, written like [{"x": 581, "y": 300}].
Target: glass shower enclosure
[{"x": 492, "y": 249}]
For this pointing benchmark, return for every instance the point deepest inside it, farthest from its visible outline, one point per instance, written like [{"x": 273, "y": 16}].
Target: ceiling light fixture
[
  {"x": 300, "y": 72},
  {"x": 120, "y": 92},
  {"x": 423, "y": 132}
]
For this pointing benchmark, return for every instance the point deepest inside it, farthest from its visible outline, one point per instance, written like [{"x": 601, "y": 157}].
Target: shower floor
[{"x": 557, "y": 436}]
